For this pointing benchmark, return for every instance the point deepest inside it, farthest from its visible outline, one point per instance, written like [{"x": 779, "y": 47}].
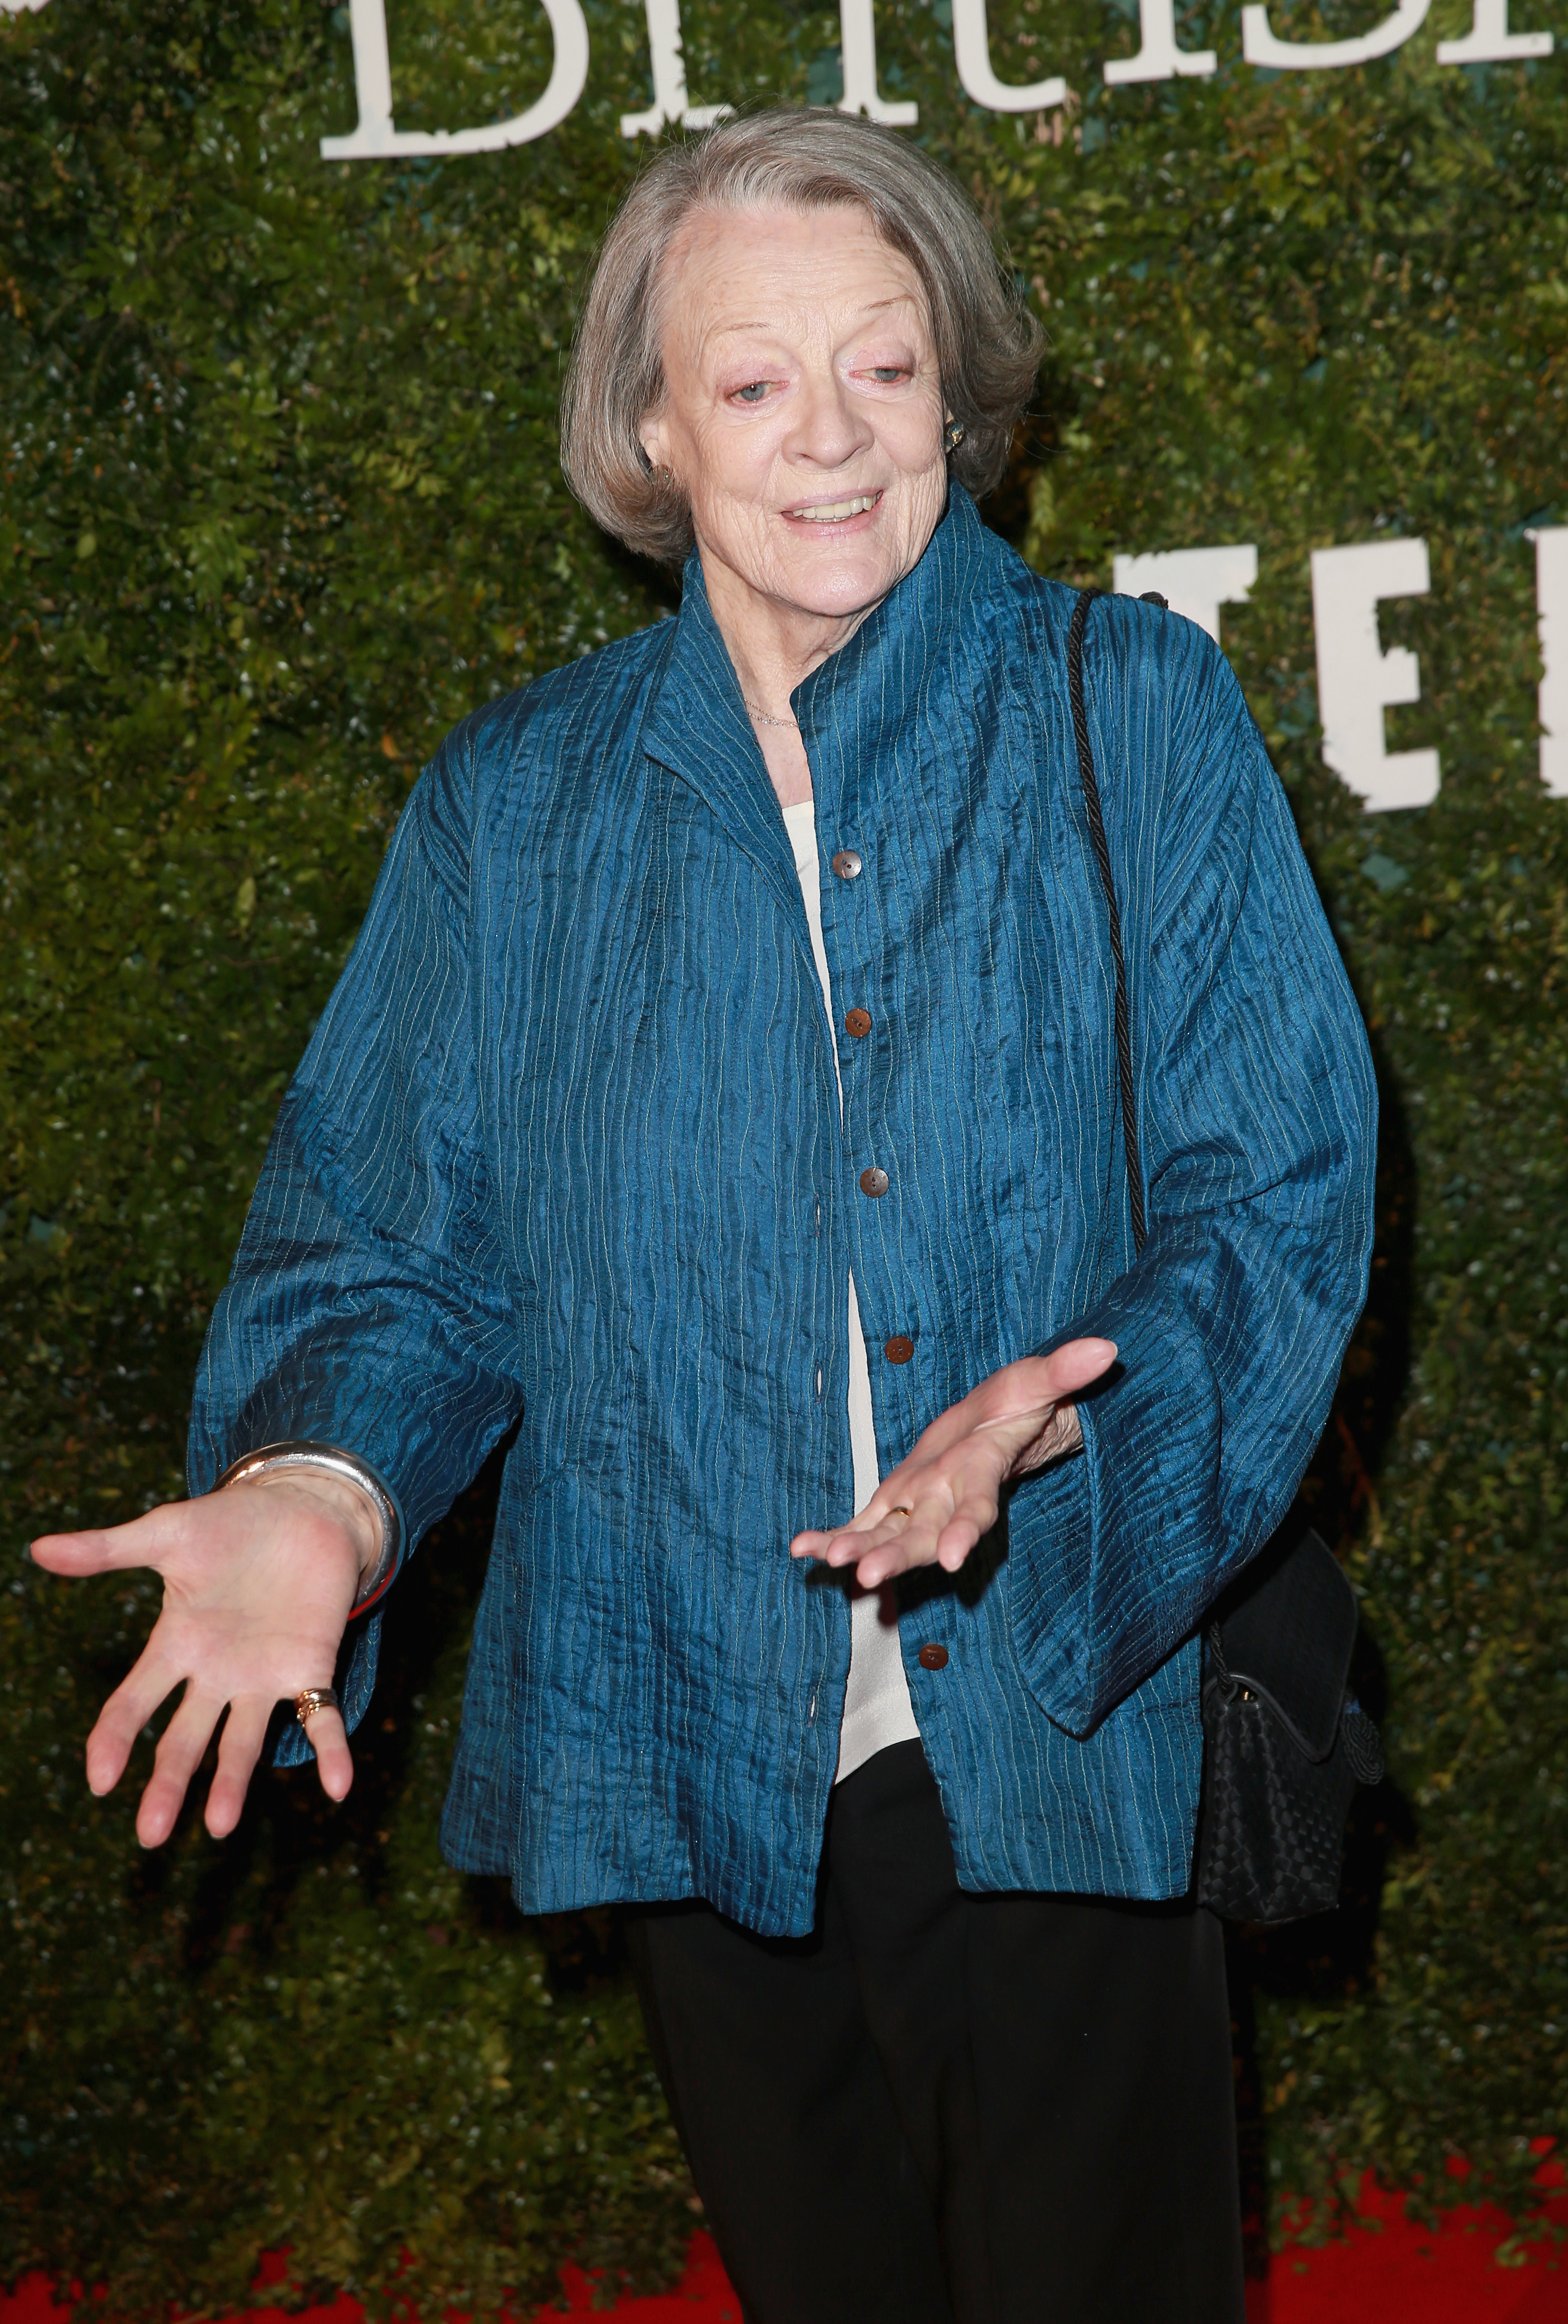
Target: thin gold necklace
[{"x": 764, "y": 718}]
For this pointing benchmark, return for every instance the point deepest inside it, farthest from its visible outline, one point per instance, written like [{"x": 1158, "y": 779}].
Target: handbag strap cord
[{"x": 1123, "y": 1021}]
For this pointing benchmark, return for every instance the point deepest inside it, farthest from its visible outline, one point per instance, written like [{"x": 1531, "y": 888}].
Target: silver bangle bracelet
[{"x": 332, "y": 1461}]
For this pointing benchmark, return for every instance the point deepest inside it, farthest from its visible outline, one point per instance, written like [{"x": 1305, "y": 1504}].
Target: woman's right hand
[{"x": 258, "y": 1582}]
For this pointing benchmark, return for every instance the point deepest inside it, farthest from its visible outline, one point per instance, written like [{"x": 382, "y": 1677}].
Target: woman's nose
[{"x": 827, "y": 428}]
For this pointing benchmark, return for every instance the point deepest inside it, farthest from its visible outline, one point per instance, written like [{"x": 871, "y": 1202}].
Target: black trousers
[{"x": 942, "y": 2109}]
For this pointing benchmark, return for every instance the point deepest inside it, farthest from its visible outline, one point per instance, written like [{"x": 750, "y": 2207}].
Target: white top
[{"x": 877, "y": 1710}]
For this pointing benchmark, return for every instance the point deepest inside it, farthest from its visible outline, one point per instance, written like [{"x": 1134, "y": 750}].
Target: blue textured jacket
[{"x": 567, "y": 1145}]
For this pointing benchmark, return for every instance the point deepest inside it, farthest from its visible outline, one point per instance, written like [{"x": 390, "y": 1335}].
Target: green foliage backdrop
[{"x": 279, "y": 503}]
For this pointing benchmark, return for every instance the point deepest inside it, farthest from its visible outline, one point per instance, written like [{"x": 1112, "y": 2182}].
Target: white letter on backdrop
[
  {"x": 1260, "y": 47},
  {"x": 971, "y": 52},
  {"x": 375, "y": 137},
  {"x": 1195, "y": 582},
  {"x": 1357, "y": 680},
  {"x": 1551, "y": 611},
  {"x": 1158, "y": 57},
  {"x": 1488, "y": 41},
  {"x": 858, "y": 36},
  {"x": 668, "y": 79}
]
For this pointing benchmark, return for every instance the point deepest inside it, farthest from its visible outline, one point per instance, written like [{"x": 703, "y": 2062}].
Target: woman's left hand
[{"x": 948, "y": 1492}]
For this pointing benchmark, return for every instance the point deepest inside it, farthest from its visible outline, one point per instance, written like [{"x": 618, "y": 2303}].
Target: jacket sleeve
[
  {"x": 366, "y": 1308},
  {"x": 1258, "y": 1113}
]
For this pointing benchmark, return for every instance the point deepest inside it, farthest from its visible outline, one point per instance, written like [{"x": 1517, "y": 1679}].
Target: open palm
[
  {"x": 946, "y": 1493},
  {"x": 258, "y": 1581}
]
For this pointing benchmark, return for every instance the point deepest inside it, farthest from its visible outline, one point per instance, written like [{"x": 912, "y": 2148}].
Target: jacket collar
[
  {"x": 697, "y": 725},
  {"x": 854, "y": 710},
  {"x": 851, "y": 711}
]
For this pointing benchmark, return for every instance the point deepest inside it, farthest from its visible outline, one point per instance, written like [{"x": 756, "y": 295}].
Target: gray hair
[{"x": 988, "y": 344}]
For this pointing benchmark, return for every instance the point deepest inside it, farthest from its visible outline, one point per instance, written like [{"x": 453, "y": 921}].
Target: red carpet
[
  {"x": 1388, "y": 2271},
  {"x": 1392, "y": 2270}
]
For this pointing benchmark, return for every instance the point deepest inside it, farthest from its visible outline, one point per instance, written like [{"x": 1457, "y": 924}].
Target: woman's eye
[
  {"x": 753, "y": 394},
  {"x": 887, "y": 373}
]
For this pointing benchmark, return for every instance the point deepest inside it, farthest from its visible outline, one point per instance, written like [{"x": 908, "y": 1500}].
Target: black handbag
[{"x": 1285, "y": 1740}]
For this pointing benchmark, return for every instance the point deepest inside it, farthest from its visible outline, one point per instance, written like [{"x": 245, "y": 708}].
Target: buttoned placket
[
  {"x": 872, "y": 1178},
  {"x": 856, "y": 866}
]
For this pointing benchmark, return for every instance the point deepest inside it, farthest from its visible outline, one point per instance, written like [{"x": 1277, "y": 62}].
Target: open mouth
[{"x": 834, "y": 511}]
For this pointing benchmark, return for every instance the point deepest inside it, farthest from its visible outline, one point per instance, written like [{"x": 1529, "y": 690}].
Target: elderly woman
[{"x": 723, "y": 1092}]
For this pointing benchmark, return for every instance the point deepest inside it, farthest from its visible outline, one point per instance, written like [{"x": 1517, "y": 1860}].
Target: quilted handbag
[{"x": 1284, "y": 1741}]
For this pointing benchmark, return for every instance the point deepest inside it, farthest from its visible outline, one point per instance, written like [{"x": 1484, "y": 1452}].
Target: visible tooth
[{"x": 835, "y": 512}]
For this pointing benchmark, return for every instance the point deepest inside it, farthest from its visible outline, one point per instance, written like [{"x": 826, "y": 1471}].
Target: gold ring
[
  {"x": 901, "y": 1509},
  {"x": 312, "y": 1699}
]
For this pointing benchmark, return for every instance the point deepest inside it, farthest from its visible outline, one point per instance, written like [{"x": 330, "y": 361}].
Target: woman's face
[{"x": 803, "y": 412}]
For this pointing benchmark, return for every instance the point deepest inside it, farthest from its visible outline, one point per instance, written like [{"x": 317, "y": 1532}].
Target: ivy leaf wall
[{"x": 280, "y": 504}]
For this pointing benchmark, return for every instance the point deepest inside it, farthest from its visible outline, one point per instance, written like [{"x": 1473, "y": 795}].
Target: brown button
[
  {"x": 847, "y": 864},
  {"x": 897, "y": 1349},
  {"x": 858, "y": 1022},
  {"x": 933, "y": 1658},
  {"x": 873, "y": 1181}
]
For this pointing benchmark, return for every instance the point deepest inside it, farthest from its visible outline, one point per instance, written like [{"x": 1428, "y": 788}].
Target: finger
[
  {"x": 811, "y": 1544},
  {"x": 969, "y": 1522},
  {"x": 243, "y": 1734},
  {"x": 908, "y": 1524},
  {"x": 329, "y": 1739},
  {"x": 876, "y": 1532},
  {"x": 942, "y": 1532},
  {"x": 928, "y": 1500},
  {"x": 889, "y": 1559},
  {"x": 885, "y": 1563},
  {"x": 901, "y": 1547},
  {"x": 884, "y": 1516},
  {"x": 178, "y": 1757},
  {"x": 1070, "y": 1367},
  {"x": 900, "y": 1497},
  {"x": 108, "y": 1549},
  {"x": 838, "y": 1548},
  {"x": 124, "y": 1715},
  {"x": 820, "y": 1545},
  {"x": 816, "y": 1543}
]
